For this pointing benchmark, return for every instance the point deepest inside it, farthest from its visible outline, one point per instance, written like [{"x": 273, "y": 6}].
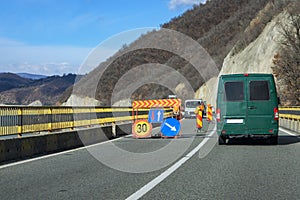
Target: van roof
[
  {"x": 193, "y": 100},
  {"x": 246, "y": 74}
]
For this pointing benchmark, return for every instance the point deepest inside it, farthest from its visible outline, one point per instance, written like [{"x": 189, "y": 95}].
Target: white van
[{"x": 189, "y": 107}]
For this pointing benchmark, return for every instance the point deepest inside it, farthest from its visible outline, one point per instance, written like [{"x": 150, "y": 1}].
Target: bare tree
[{"x": 287, "y": 61}]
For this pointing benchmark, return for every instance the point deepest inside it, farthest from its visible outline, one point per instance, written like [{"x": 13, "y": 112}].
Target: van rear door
[
  {"x": 234, "y": 106},
  {"x": 262, "y": 99}
]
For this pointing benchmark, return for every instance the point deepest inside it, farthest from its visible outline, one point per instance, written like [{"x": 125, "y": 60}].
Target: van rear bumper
[
  {"x": 248, "y": 133},
  {"x": 249, "y": 136}
]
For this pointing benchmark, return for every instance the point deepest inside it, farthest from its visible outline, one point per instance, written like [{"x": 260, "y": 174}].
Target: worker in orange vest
[
  {"x": 176, "y": 112},
  {"x": 200, "y": 107}
]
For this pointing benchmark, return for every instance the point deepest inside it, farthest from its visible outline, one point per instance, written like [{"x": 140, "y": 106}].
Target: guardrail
[
  {"x": 290, "y": 112},
  {"x": 290, "y": 117},
  {"x": 25, "y": 119}
]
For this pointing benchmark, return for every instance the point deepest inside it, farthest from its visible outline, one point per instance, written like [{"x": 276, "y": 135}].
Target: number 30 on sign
[{"x": 141, "y": 129}]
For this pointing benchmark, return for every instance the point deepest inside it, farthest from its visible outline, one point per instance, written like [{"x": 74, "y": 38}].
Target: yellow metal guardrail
[
  {"x": 23, "y": 119},
  {"x": 290, "y": 112}
]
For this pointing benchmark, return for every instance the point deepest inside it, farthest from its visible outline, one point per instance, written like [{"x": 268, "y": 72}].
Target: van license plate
[{"x": 234, "y": 121}]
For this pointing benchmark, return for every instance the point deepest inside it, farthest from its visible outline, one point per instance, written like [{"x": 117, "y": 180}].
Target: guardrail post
[
  {"x": 49, "y": 119},
  {"x": 114, "y": 129},
  {"x": 20, "y": 122}
]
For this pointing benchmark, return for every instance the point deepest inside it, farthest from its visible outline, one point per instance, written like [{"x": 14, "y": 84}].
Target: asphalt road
[{"x": 192, "y": 166}]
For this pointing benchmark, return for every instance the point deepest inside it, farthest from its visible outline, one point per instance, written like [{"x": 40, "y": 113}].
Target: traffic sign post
[{"x": 170, "y": 128}]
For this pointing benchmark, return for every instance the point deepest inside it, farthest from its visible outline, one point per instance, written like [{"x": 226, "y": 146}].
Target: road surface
[{"x": 192, "y": 166}]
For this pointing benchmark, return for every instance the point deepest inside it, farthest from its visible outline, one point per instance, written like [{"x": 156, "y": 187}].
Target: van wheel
[
  {"x": 274, "y": 140},
  {"x": 222, "y": 140}
]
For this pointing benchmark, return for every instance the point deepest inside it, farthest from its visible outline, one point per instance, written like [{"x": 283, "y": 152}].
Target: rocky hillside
[
  {"x": 16, "y": 90},
  {"x": 217, "y": 26},
  {"x": 258, "y": 55}
]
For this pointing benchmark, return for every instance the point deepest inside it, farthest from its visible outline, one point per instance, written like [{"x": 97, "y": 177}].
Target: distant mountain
[
  {"x": 9, "y": 81},
  {"x": 31, "y": 76},
  {"x": 15, "y": 90}
]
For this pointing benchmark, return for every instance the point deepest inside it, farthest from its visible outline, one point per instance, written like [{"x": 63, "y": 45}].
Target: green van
[{"x": 247, "y": 105}]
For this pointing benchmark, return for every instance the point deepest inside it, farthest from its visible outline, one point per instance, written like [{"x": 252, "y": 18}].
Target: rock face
[
  {"x": 208, "y": 91},
  {"x": 36, "y": 103},
  {"x": 257, "y": 57},
  {"x": 81, "y": 101}
]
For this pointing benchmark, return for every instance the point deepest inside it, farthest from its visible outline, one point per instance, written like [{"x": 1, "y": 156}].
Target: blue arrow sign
[
  {"x": 170, "y": 127},
  {"x": 156, "y": 116}
]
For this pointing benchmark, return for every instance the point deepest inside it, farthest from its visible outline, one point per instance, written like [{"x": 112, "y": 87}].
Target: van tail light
[
  {"x": 276, "y": 115},
  {"x": 218, "y": 115}
]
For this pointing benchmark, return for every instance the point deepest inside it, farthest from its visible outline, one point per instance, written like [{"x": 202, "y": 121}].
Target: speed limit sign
[{"x": 141, "y": 129}]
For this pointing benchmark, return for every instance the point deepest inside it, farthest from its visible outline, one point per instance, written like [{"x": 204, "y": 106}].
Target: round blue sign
[{"x": 170, "y": 127}]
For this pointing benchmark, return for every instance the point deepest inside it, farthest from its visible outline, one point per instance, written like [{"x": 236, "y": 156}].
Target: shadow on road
[{"x": 282, "y": 140}]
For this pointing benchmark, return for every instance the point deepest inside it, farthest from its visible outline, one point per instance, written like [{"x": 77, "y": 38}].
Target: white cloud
[
  {"x": 9, "y": 42},
  {"x": 173, "y": 4},
  {"x": 18, "y": 57}
]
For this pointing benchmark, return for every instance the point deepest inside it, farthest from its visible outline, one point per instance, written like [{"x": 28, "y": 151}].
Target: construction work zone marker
[
  {"x": 156, "y": 115},
  {"x": 199, "y": 120},
  {"x": 156, "y": 103},
  {"x": 209, "y": 113}
]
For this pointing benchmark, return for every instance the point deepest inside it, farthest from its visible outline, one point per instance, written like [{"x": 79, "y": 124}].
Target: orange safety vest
[{"x": 176, "y": 109}]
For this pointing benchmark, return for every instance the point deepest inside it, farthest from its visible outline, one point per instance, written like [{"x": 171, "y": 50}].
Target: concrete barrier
[
  {"x": 26, "y": 147},
  {"x": 290, "y": 124}
]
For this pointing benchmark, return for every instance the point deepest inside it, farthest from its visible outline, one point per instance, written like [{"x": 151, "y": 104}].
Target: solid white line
[
  {"x": 288, "y": 132},
  {"x": 56, "y": 154},
  {"x": 149, "y": 186},
  {"x": 59, "y": 153}
]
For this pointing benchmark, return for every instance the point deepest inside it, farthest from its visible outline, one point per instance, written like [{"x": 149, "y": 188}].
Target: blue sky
[{"x": 55, "y": 36}]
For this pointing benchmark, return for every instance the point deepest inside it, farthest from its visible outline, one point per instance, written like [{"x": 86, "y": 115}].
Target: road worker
[
  {"x": 200, "y": 107},
  {"x": 176, "y": 112}
]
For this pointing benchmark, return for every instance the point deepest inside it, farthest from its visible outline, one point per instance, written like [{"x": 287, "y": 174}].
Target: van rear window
[
  {"x": 234, "y": 91},
  {"x": 259, "y": 91}
]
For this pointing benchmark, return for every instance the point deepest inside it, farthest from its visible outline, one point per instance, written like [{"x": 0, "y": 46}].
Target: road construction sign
[
  {"x": 141, "y": 129},
  {"x": 170, "y": 127},
  {"x": 156, "y": 103},
  {"x": 156, "y": 115}
]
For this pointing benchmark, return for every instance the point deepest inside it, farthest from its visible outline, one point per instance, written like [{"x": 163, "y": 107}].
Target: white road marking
[
  {"x": 60, "y": 153},
  {"x": 149, "y": 186},
  {"x": 288, "y": 132},
  {"x": 56, "y": 154}
]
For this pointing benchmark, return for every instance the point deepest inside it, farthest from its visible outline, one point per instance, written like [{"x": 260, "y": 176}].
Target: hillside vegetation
[
  {"x": 217, "y": 25},
  {"x": 239, "y": 36}
]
